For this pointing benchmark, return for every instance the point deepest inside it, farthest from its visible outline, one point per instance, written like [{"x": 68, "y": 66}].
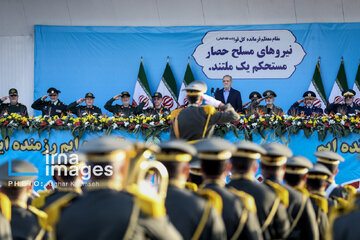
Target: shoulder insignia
[
  {"x": 175, "y": 113},
  {"x": 209, "y": 109},
  {"x": 191, "y": 186},
  {"x": 38, "y": 202},
  {"x": 150, "y": 206},
  {"x": 350, "y": 190},
  {"x": 321, "y": 202},
  {"x": 281, "y": 192},
  {"x": 247, "y": 200},
  {"x": 54, "y": 210},
  {"x": 302, "y": 190},
  {"x": 41, "y": 215},
  {"x": 5, "y": 206},
  {"x": 213, "y": 197}
]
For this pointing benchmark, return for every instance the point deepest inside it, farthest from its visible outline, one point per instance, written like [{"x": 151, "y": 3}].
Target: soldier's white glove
[{"x": 212, "y": 101}]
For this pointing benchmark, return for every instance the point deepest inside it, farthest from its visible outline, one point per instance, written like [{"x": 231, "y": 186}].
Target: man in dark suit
[{"x": 229, "y": 95}]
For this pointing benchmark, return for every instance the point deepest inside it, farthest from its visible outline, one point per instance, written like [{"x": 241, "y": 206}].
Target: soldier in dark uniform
[
  {"x": 5, "y": 217},
  {"x": 196, "y": 122},
  {"x": 66, "y": 174},
  {"x": 195, "y": 175},
  {"x": 105, "y": 211},
  {"x": 158, "y": 108},
  {"x": 89, "y": 109},
  {"x": 239, "y": 209},
  {"x": 125, "y": 109},
  {"x": 334, "y": 191},
  {"x": 308, "y": 109},
  {"x": 296, "y": 171},
  {"x": 300, "y": 212},
  {"x": 255, "y": 99},
  {"x": 51, "y": 108},
  {"x": 348, "y": 107},
  {"x": 270, "y": 108},
  {"x": 272, "y": 216},
  {"x": 27, "y": 222},
  {"x": 316, "y": 184},
  {"x": 193, "y": 216},
  {"x": 14, "y": 106}
]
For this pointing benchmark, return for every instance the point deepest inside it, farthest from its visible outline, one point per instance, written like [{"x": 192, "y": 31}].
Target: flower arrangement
[{"x": 151, "y": 126}]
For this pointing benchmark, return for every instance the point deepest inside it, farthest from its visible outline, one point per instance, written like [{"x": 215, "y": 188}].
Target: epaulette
[
  {"x": 350, "y": 190},
  {"x": 303, "y": 191},
  {"x": 39, "y": 202},
  {"x": 213, "y": 197},
  {"x": 191, "y": 186},
  {"x": 53, "y": 210},
  {"x": 5, "y": 206},
  {"x": 42, "y": 217},
  {"x": 153, "y": 206},
  {"x": 175, "y": 113},
  {"x": 321, "y": 202},
  {"x": 209, "y": 109},
  {"x": 341, "y": 203},
  {"x": 281, "y": 192},
  {"x": 247, "y": 200}
]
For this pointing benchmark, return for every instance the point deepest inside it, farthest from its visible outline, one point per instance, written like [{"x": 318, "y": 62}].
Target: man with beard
[
  {"x": 308, "y": 109},
  {"x": 349, "y": 107},
  {"x": 14, "y": 106},
  {"x": 52, "y": 107},
  {"x": 270, "y": 108},
  {"x": 89, "y": 109},
  {"x": 124, "y": 109},
  {"x": 158, "y": 107}
]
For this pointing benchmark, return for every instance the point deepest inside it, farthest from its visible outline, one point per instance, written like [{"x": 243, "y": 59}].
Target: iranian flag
[
  {"x": 168, "y": 89},
  {"x": 339, "y": 85},
  {"x": 188, "y": 78},
  {"x": 142, "y": 89},
  {"x": 317, "y": 87},
  {"x": 356, "y": 87}
]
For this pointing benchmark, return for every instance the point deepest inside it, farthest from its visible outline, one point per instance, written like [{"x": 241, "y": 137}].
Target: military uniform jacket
[
  {"x": 105, "y": 214},
  {"x": 25, "y": 223},
  {"x": 118, "y": 110},
  {"x": 232, "y": 213},
  {"x": 18, "y": 108},
  {"x": 274, "y": 110},
  {"x": 304, "y": 110},
  {"x": 83, "y": 110},
  {"x": 153, "y": 111},
  {"x": 185, "y": 210},
  {"x": 192, "y": 121},
  {"x": 319, "y": 203},
  {"x": 49, "y": 108},
  {"x": 48, "y": 197},
  {"x": 342, "y": 108},
  {"x": 265, "y": 201},
  {"x": 347, "y": 227},
  {"x": 5, "y": 231}
]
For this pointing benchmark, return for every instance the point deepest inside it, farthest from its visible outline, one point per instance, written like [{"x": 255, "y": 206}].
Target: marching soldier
[
  {"x": 300, "y": 211},
  {"x": 334, "y": 191},
  {"x": 27, "y": 222},
  {"x": 105, "y": 211},
  {"x": 308, "y": 109},
  {"x": 66, "y": 174},
  {"x": 316, "y": 185},
  {"x": 296, "y": 171},
  {"x": 14, "y": 106},
  {"x": 124, "y": 109},
  {"x": 348, "y": 107},
  {"x": 51, "y": 108},
  {"x": 255, "y": 99},
  {"x": 193, "y": 216},
  {"x": 196, "y": 122},
  {"x": 89, "y": 109},
  {"x": 272, "y": 215},
  {"x": 158, "y": 108},
  {"x": 239, "y": 209},
  {"x": 195, "y": 175},
  {"x": 270, "y": 108},
  {"x": 5, "y": 217}
]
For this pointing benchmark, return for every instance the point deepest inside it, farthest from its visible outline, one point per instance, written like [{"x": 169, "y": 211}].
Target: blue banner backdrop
[
  {"x": 33, "y": 148},
  {"x": 105, "y": 60}
]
